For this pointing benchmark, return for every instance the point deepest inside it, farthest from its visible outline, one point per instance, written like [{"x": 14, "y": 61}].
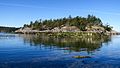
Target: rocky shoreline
[{"x": 70, "y": 29}]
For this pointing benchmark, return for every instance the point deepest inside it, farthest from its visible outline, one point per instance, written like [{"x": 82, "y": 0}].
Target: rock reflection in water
[{"x": 70, "y": 44}]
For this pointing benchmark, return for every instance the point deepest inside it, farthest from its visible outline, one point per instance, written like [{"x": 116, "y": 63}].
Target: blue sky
[{"x": 19, "y": 12}]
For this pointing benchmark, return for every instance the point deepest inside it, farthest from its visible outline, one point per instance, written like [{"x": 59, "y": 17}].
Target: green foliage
[
  {"x": 108, "y": 27},
  {"x": 8, "y": 29},
  {"x": 80, "y": 22}
]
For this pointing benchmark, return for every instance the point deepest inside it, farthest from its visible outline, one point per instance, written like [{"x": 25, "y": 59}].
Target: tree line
[
  {"x": 8, "y": 29},
  {"x": 78, "y": 21}
]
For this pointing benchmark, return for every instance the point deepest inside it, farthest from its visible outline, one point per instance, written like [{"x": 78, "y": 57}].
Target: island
[{"x": 89, "y": 25}]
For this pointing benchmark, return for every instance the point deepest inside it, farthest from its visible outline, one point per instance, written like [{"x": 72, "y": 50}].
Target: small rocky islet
[{"x": 78, "y": 24}]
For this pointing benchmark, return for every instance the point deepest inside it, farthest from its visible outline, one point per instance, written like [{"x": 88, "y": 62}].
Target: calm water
[{"x": 32, "y": 51}]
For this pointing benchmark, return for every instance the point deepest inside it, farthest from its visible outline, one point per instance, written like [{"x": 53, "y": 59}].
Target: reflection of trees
[{"x": 69, "y": 44}]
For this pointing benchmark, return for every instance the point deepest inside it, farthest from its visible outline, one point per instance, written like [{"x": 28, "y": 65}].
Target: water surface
[{"x": 33, "y": 51}]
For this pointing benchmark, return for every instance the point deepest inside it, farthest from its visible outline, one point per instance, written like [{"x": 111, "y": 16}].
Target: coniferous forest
[
  {"x": 78, "y": 21},
  {"x": 8, "y": 29}
]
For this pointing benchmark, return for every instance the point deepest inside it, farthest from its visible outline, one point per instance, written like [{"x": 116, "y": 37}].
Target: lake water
[{"x": 32, "y": 51}]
